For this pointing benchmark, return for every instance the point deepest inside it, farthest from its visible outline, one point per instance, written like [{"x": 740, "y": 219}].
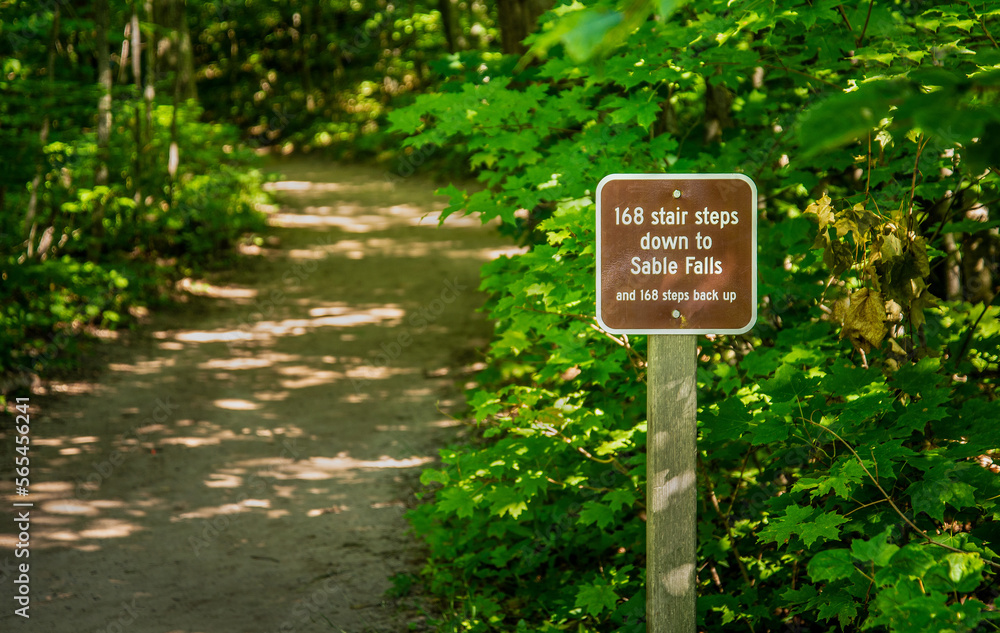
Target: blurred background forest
[
  {"x": 846, "y": 472},
  {"x": 130, "y": 128}
]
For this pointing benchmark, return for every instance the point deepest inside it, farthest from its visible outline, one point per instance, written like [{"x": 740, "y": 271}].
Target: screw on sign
[
  {"x": 677, "y": 253},
  {"x": 676, "y": 257}
]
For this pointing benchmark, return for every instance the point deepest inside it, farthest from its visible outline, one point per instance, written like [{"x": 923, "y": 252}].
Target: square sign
[{"x": 676, "y": 253}]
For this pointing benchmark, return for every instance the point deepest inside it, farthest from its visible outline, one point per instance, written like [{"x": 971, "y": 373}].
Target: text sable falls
[{"x": 654, "y": 264}]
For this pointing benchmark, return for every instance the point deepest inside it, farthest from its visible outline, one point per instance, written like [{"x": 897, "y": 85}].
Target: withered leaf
[
  {"x": 863, "y": 219},
  {"x": 838, "y": 257},
  {"x": 823, "y": 211},
  {"x": 864, "y": 324},
  {"x": 918, "y": 250},
  {"x": 891, "y": 247},
  {"x": 922, "y": 301}
]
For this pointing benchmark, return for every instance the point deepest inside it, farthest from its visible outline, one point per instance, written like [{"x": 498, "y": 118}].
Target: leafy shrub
[
  {"x": 97, "y": 251},
  {"x": 46, "y": 306},
  {"x": 845, "y": 458}
]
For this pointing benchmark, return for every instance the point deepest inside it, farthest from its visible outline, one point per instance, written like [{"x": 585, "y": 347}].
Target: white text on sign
[
  {"x": 636, "y": 216},
  {"x": 644, "y": 294}
]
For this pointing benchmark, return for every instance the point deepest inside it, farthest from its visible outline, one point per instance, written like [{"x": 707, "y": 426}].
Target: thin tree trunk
[
  {"x": 43, "y": 140},
  {"x": 102, "y": 22},
  {"x": 123, "y": 61},
  {"x": 174, "y": 155},
  {"x": 450, "y": 23},
  {"x": 953, "y": 269},
  {"x": 518, "y": 20},
  {"x": 150, "y": 92},
  {"x": 718, "y": 110},
  {"x": 137, "y": 130},
  {"x": 176, "y": 49},
  {"x": 976, "y": 271},
  {"x": 305, "y": 32},
  {"x": 668, "y": 116},
  {"x": 185, "y": 52}
]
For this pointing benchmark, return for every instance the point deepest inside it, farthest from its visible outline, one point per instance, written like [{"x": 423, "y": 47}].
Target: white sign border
[{"x": 753, "y": 290}]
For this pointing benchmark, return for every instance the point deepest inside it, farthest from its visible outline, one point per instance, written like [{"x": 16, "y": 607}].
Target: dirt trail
[{"x": 244, "y": 466}]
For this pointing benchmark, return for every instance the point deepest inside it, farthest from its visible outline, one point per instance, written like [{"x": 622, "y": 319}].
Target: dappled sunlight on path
[{"x": 245, "y": 466}]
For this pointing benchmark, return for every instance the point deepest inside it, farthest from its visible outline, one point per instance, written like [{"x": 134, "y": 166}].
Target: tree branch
[{"x": 889, "y": 499}]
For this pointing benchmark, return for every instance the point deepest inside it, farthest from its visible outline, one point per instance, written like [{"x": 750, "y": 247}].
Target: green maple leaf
[
  {"x": 863, "y": 408},
  {"x": 825, "y": 527},
  {"x": 456, "y": 199},
  {"x": 539, "y": 289},
  {"x": 772, "y": 428},
  {"x": 594, "y": 512},
  {"x": 916, "y": 418},
  {"x": 505, "y": 500},
  {"x": 596, "y": 598},
  {"x": 841, "y": 479},
  {"x": 846, "y": 477},
  {"x": 762, "y": 362},
  {"x": 915, "y": 378},
  {"x": 781, "y": 528},
  {"x": 845, "y": 377},
  {"x": 877, "y": 550},
  {"x": 407, "y": 120},
  {"x": 457, "y": 500},
  {"x": 647, "y": 113},
  {"x": 485, "y": 404},
  {"x": 830, "y": 565},
  {"x": 732, "y": 419},
  {"x": 818, "y": 485},
  {"x": 804, "y": 594},
  {"x": 620, "y": 498},
  {"x": 727, "y": 606},
  {"x": 790, "y": 384},
  {"x": 887, "y": 454},
  {"x": 965, "y": 571},
  {"x": 910, "y": 562},
  {"x": 938, "y": 487},
  {"x": 836, "y": 604},
  {"x": 928, "y": 409},
  {"x": 501, "y": 555},
  {"x": 513, "y": 340},
  {"x": 430, "y": 475},
  {"x": 531, "y": 484},
  {"x": 487, "y": 159}
]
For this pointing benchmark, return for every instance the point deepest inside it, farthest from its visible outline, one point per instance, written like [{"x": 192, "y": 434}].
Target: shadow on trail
[{"x": 245, "y": 467}]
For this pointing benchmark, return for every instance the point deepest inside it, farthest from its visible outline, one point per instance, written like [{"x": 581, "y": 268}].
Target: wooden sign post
[
  {"x": 676, "y": 257},
  {"x": 671, "y": 491}
]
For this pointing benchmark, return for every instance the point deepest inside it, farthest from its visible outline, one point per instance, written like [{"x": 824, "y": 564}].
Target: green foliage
[
  {"x": 554, "y": 489},
  {"x": 321, "y": 75},
  {"x": 846, "y": 443},
  {"x": 77, "y": 256},
  {"x": 47, "y": 305}
]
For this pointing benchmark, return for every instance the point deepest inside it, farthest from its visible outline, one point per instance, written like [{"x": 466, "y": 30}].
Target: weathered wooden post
[
  {"x": 676, "y": 257},
  {"x": 671, "y": 490}
]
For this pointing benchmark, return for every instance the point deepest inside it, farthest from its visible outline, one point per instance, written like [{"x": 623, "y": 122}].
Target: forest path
[{"x": 244, "y": 466}]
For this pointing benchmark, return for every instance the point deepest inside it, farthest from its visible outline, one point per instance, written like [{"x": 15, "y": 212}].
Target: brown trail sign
[{"x": 676, "y": 254}]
